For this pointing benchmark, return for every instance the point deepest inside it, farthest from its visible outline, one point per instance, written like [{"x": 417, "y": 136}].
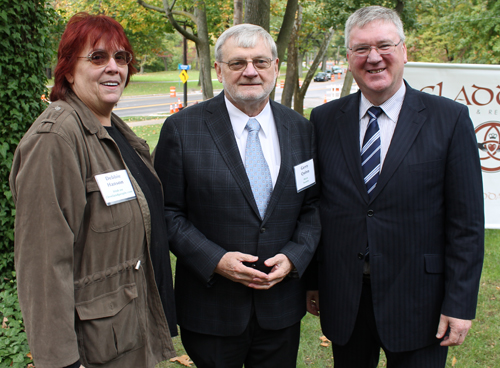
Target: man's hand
[
  {"x": 231, "y": 267},
  {"x": 281, "y": 266},
  {"x": 458, "y": 330},
  {"x": 312, "y": 302}
]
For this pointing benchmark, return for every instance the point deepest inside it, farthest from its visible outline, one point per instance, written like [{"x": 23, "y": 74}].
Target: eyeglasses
[
  {"x": 241, "y": 64},
  {"x": 382, "y": 49},
  {"x": 101, "y": 57}
]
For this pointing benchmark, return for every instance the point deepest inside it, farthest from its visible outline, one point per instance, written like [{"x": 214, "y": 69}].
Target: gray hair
[
  {"x": 245, "y": 35},
  {"x": 363, "y": 16}
]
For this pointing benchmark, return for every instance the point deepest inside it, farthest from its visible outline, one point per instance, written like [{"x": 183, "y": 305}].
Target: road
[{"x": 159, "y": 105}]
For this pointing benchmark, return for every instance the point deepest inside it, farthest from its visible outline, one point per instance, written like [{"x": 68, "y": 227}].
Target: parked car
[
  {"x": 338, "y": 69},
  {"x": 321, "y": 77}
]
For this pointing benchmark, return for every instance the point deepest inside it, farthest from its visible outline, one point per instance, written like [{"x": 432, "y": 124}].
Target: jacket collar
[
  {"x": 87, "y": 117},
  {"x": 409, "y": 124},
  {"x": 219, "y": 125},
  {"x": 93, "y": 125},
  {"x": 411, "y": 119}
]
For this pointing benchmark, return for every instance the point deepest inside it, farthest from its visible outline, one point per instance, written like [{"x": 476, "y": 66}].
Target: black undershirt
[{"x": 159, "y": 248}]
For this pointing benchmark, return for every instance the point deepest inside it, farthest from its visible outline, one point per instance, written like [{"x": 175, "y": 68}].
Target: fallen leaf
[
  {"x": 325, "y": 342},
  {"x": 324, "y": 339},
  {"x": 30, "y": 366},
  {"x": 4, "y": 323},
  {"x": 29, "y": 355},
  {"x": 183, "y": 359},
  {"x": 454, "y": 361}
]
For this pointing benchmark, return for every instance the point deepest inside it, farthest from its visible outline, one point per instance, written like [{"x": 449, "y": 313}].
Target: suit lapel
[
  {"x": 410, "y": 122},
  {"x": 286, "y": 169},
  {"x": 348, "y": 126},
  {"x": 219, "y": 126}
]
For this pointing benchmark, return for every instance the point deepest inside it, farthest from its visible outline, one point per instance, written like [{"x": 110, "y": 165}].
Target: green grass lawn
[{"x": 481, "y": 348}]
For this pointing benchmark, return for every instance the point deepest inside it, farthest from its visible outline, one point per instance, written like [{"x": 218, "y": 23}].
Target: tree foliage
[
  {"x": 25, "y": 37},
  {"x": 145, "y": 30},
  {"x": 461, "y": 31}
]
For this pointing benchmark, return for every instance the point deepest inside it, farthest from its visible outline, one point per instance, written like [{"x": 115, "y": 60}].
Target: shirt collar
[
  {"x": 239, "y": 119},
  {"x": 391, "y": 107}
]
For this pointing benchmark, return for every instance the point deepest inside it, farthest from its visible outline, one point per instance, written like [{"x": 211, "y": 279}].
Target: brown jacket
[{"x": 81, "y": 294}]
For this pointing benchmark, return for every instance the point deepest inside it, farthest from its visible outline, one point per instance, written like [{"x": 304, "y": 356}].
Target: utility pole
[{"x": 185, "y": 63}]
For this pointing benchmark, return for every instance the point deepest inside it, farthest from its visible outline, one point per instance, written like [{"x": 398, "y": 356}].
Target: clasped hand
[{"x": 231, "y": 266}]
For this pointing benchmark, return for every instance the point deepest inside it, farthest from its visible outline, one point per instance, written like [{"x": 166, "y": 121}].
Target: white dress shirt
[
  {"x": 268, "y": 135},
  {"x": 386, "y": 121}
]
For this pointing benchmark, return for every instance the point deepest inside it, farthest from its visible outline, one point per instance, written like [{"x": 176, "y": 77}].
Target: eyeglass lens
[
  {"x": 240, "y": 64},
  {"x": 382, "y": 49},
  {"x": 102, "y": 57}
]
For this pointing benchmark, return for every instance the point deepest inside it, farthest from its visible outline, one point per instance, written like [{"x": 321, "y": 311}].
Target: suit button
[
  {"x": 263, "y": 230},
  {"x": 361, "y": 256},
  {"x": 370, "y": 213}
]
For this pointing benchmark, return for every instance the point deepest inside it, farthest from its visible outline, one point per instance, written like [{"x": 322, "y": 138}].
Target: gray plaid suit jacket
[
  {"x": 210, "y": 209},
  {"x": 424, "y": 222}
]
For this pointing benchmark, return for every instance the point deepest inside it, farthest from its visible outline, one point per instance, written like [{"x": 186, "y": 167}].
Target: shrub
[{"x": 26, "y": 43}]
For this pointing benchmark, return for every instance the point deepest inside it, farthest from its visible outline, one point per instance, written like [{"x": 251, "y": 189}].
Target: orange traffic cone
[
  {"x": 171, "y": 109},
  {"x": 325, "y": 100},
  {"x": 180, "y": 103},
  {"x": 176, "y": 108}
]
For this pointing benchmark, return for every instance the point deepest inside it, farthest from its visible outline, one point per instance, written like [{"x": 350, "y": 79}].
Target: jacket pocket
[
  {"x": 105, "y": 218},
  {"x": 109, "y": 325},
  {"x": 427, "y": 166},
  {"x": 434, "y": 263}
]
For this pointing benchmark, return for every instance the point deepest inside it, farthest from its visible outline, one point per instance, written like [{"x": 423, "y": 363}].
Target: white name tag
[
  {"x": 304, "y": 175},
  {"x": 115, "y": 187}
]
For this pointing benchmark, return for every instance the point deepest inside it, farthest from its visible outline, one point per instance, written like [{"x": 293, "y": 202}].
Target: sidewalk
[{"x": 146, "y": 122}]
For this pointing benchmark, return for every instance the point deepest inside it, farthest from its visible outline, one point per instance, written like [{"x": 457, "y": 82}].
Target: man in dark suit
[
  {"x": 241, "y": 211},
  {"x": 401, "y": 207}
]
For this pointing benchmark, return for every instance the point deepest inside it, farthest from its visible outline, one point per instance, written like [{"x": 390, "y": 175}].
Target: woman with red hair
[{"x": 91, "y": 248}]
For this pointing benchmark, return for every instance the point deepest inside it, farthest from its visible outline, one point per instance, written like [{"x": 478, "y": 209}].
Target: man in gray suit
[
  {"x": 401, "y": 201},
  {"x": 241, "y": 210}
]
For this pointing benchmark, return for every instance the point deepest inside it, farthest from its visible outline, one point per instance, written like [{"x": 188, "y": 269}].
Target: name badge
[
  {"x": 115, "y": 187},
  {"x": 304, "y": 175}
]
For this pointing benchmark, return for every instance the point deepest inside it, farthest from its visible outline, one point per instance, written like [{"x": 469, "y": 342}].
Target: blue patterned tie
[
  {"x": 370, "y": 153},
  {"x": 257, "y": 169}
]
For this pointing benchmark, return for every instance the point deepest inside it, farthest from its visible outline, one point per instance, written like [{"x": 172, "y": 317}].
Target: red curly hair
[{"x": 84, "y": 29}]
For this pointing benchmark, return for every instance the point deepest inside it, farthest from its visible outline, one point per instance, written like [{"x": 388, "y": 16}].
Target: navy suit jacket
[
  {"x": 424, "y": 222},
  {"x": 210, "y": 210}
]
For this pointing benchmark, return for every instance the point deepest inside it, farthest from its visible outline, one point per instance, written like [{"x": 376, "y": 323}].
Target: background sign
[
  {"x": 184, "y": 76},
  {"x": 184, "y": 67},
  {"x": 478, "y": 87}
]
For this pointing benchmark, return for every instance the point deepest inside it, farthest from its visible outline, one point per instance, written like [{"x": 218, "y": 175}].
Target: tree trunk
[
  {"x": 300, "y": 68},
  {"x": 291, "y": 68},
  {"x": 165, "y": 63},
  {"x": 200, "y": 75},
  {"x": 400, "y": 7},
  {"x": 286, "y": 28},
  {"x": 238, "y": 12},
  {"x": 203, "y": 48},
  {"x": 323, "y": 62},
  {"x": 285, "y": 32},
  {"x": 298, "y": 102},
  {"x": 201, "y": 39},
  {"x": 258, "y": 12},
  {"x": 346, "y": 87}
]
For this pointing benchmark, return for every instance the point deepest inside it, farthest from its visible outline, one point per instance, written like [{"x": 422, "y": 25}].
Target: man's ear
[{"x": 218, "y": 71}]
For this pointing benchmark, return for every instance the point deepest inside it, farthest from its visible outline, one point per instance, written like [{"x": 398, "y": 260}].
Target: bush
[{"x": 26, "y": 44}]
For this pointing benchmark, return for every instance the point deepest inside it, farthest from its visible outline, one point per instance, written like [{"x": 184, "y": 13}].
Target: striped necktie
[
  {"x": 256, "y": 168},
  {"x": 370, "y": 153}
]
